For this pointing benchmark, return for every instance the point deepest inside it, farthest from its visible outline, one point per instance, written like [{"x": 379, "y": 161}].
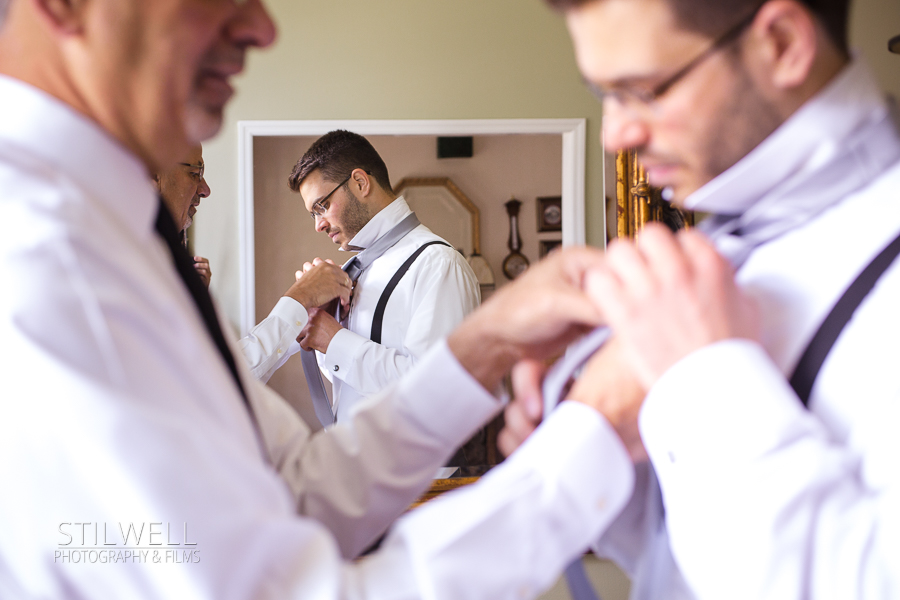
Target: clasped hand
[
  {"x": 318, "y": 285},
  {"x": 664, "y": 297}
]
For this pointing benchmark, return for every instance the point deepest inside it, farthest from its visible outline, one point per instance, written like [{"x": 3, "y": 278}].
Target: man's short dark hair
[
  {"x": 713, "y": 17},
  {"x": 336, "y": 154}
]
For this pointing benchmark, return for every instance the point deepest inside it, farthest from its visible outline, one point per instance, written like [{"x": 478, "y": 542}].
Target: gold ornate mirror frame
[{"x": 638, "y": 203}]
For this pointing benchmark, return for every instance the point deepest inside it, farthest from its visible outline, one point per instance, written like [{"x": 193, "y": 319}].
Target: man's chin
[{"x": 202, "y": 123}]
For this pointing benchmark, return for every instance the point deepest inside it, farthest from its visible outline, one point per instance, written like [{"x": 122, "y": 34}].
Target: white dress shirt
[
  {"x": 117, "y": 410},
  {"x": 764, "y": 498},
  {"x": 432, "y": 298}
]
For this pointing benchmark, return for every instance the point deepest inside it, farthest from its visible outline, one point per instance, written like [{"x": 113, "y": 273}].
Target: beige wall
[{"x": 872, "y": 24}]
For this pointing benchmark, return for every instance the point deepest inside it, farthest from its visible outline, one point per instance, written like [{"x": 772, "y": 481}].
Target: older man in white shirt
[{"x": 139, "y": 459}]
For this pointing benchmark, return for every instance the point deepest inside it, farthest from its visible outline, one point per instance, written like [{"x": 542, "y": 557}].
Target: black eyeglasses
[
  {"x": 200, "y": 167},
  {"x": 319, "y": 207},
  {"x": 646, "y": 97}
]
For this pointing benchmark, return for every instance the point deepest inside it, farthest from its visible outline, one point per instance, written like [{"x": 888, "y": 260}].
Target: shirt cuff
[
  {"x": 442, "y": 380},
  {"x": 580, "y": 436},
  {"x": 724, "y": 404},
  {"x": 340, "y": 352},
  {"x": 533, "y": 513},
  {"x": 291, "y": 311}
]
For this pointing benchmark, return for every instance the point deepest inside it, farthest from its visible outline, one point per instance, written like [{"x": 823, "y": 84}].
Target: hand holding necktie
[
  {"x": 607, "y": 384},
  {"x": 320, "y": 282},
  {"x": 317, "y": 334},
  {"x": 535, "y": 316},
  {"x": 667, "y": 296}
]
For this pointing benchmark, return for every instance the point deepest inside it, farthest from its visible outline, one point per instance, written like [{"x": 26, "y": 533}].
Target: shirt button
[
  {"x": 299, "y": 324},
  {"x": 337, "y": 368},
  {"x": 601, "y": 504},
  {"x": 280, "y": 351}
]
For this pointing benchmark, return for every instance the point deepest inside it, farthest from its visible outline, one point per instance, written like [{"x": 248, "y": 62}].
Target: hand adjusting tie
[
  {"x": 557, "y": 379},
  {"x": 555, "y": 385}
]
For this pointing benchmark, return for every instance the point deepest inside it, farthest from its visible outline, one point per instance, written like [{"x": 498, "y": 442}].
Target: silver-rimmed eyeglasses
[
  {"x": 320, "y": 206},
  {"x": 199, "y": 168}
]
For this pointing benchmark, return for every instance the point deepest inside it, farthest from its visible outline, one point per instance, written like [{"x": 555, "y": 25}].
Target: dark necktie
[
  {"x": 354, "y": 267},
  {"x": 165, "y": 226}
]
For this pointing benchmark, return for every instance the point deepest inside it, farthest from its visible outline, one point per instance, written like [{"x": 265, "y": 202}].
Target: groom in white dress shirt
[
  {"x": 757, "y": 112},
  {"x": 345, "y": 186}
]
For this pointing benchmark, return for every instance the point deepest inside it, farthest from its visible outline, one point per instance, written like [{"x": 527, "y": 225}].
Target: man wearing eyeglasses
[
  {"x": 413, "y": 294},
  {"x": 757, "y": 113},
  {"x": 181, "y": 189}
]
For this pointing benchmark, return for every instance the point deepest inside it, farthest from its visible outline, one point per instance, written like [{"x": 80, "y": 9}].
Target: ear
[
  {"x": 788, "y": 36},
  {"x": 361, "y": 183},
  {"x": 65, "y": 16}
]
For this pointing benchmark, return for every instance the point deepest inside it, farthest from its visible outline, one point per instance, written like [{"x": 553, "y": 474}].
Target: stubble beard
[
  {"x": 354, "y": 216},
  {"x": 740, "y": 125}
]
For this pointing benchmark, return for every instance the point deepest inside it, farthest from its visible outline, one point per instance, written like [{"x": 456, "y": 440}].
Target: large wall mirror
[{"x": 528, "y": 159}]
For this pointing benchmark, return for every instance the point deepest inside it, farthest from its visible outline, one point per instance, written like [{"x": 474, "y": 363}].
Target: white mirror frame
[{"x": 573, "y": 172}]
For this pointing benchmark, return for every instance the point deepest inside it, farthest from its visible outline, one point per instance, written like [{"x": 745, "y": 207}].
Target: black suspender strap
[
  {"x": 820, "y": 346},
  {"x": 378, "y": 319}
]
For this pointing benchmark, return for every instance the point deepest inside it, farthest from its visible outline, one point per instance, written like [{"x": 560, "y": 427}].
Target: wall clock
[{"x": 515, "y": 262}]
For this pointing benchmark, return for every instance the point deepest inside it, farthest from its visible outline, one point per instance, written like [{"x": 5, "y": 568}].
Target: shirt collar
[
  {"x": 78, "y": 149},
  {"x": 383, "y": 221},
  {"x": 809, "y": 138}
]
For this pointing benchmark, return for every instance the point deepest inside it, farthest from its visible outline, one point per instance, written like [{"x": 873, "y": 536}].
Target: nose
[
  {"x": 203, "y": 190},
  {"x": 321, "y": 223},
  {"x": 623, "y": 128},
  {"x": 252, "y": 25}
]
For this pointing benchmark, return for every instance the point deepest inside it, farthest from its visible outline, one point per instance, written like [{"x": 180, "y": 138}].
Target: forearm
[
  {"x": 527, "y": 518},
  {"x": 483, "y": 350},
  {"x": 267, "y": 345},
  {"x": 787, "y": 511},
  {"x": 359, "y": 476}
]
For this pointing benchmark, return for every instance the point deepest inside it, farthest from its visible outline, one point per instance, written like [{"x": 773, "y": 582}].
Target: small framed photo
[
  {"x": 547, "y": 246},
  {"x": 549, "y": 213}
]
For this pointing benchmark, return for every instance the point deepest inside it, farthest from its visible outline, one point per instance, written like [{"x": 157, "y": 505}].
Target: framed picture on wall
[
  {"x": 547, "y": 246},
  {"x": 549, "y": 213}
]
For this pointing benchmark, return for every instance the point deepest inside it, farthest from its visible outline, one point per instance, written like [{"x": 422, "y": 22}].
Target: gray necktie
[{"x": 354, "y": 267}]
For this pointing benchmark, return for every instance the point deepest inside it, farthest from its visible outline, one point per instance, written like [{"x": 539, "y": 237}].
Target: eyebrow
[{"x": 625, "y": 82}]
